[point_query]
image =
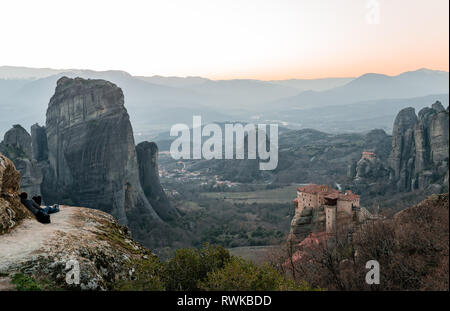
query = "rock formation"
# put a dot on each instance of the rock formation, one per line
(106, 255)
(30, 176)
(439, 137)
(351, 169)
(303, 224)
(419, 155)
(92, 158)
(401, 159)
(39, 143)
(11, 210)
(370, 170)
(147, 156)
(17, 146)
(18, 142)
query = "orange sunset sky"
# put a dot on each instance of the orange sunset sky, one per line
(260, 39)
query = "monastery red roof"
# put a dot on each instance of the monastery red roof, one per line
(328, 192)
(314, 189)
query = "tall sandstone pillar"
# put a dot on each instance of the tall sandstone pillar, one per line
(92, 158)
(147, 155)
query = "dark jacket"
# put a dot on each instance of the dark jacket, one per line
(31, 205)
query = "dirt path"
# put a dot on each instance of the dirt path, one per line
(31, 237)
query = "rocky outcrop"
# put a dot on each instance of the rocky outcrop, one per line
(92, 158)
(147, 156)
(419, 156)
(402, 156)
(17, 145)
(370, 170)
(378, 142)
(12, 212)
(304, 223)
(18, 142)
(78, 239)
(102, 250)
(422, 138)
(30, 176)
(439, 128)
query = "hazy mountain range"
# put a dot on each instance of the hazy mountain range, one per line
(156, 103)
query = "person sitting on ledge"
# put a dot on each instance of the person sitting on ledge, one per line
(41, 214)
(48, 209)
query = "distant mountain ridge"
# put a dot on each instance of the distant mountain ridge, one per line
(156, 103)
(373, 86)
(356, 117)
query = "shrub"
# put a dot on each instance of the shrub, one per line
(189, 266)
(146, 276)
(242, 275)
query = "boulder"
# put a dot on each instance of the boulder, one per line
(17, 146)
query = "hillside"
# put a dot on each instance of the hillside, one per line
(412, 250)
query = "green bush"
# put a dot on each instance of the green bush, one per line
(242, 275)
(189, 266)
(146, 276)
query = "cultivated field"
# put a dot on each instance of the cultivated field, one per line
(279, 195)
(256, 254)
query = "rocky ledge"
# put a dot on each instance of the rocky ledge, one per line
(77, 237)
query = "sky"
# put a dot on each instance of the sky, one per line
(225, 39)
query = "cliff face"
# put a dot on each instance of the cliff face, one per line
(147, 156)
(92, 158)
(401, 159)
(307, 222)
(439, 136)
(419, 155)
(30, 176)
(39, 143)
